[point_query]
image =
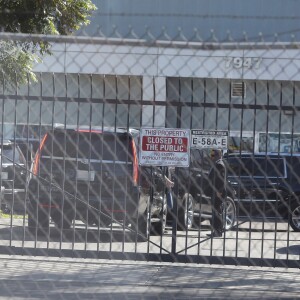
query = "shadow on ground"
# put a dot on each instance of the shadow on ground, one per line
(292, 250)
(74, 235)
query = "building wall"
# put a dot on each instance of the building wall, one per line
(73, 82)
(111, 57)
(194, 93)
(78, 99)
(207, 20)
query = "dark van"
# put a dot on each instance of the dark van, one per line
(93, 174)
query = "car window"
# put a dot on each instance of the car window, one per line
(293, 167)
(196, 158)
(89, 145)
(207, 162)
(9, 154)
(257, 167)
(200, 159)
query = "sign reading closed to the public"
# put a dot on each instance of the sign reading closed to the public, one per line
(165, 147)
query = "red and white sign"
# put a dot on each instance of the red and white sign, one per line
(165, 147)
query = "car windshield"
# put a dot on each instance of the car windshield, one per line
(256, 167)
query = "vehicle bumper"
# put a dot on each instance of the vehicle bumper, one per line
(120, 203)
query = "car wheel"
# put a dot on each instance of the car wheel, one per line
(5, 209)
(141, 227)
(229, 214)
(103, 221)
(186, 213)
(158, 228)
(295, 217)
(94, 218)
(38, 220)
(62, 221)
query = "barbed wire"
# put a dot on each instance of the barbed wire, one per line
(196, 15)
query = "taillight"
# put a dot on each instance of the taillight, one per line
(135, 174)
(36, 161)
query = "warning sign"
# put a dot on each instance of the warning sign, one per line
(215, 139)
(165, 147)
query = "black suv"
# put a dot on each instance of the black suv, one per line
(13, 177)
(267, 185)
(93, 174)
(195, 200)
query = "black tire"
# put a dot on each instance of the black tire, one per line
(62, 221)
(185, 219)
(158, 228)
(103, 221)
(229, 217)
(141, 228)
(94, 218)
(38, 220)
(5, 209)
(294, 217)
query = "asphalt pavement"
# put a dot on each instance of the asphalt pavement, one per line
(64, 278)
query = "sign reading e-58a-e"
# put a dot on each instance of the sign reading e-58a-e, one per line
(214, 139)
(165, 147)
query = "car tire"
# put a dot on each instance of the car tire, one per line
(103, 221)
(229, 214)
(95, 218)
(38, 220)
(62, 221)
(185, 218)
(5, 209)
(158, 228)
(294, 218)
(141, 228)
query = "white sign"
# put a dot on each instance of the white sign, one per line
(214, 139)
(165, 147)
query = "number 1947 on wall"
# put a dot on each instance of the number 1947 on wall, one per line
(245, 62)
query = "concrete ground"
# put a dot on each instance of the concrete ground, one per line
(62, 278)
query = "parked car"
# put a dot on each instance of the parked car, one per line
(93, 174)
(194, 201)
(267, 185)
(13, 177)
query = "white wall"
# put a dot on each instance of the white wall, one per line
(176, 61)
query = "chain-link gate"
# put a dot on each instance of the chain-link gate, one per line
(71, 179)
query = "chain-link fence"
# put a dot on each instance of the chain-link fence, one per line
(88, 147)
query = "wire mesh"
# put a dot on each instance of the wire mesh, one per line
(72, 183)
